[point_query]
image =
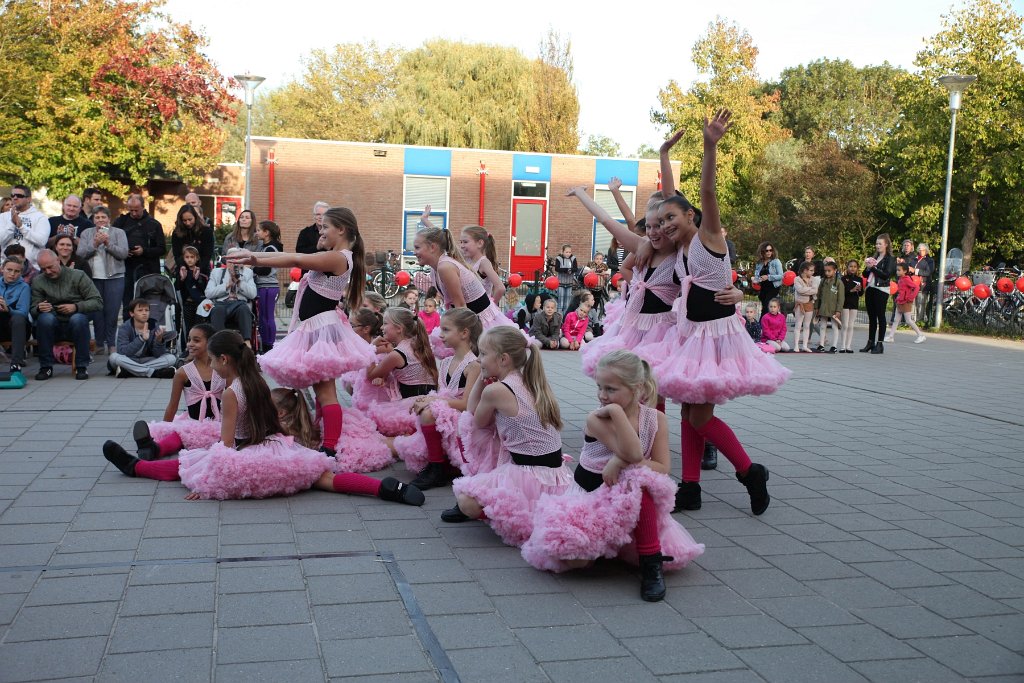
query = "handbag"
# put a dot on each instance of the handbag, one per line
(905, 308)
(806, 306)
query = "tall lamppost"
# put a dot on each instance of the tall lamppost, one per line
(956, 84)
(250, 83)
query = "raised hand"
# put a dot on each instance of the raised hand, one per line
(243, 257)
(671, 141)
(426, 212)
(614, 184)
(578, 191)
(717, 126)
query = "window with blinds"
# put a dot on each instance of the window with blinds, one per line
(419, 192)
(604, 198)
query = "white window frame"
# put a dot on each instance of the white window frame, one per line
(438, 218)
(614, 211)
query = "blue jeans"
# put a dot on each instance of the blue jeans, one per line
(50, 329)
(104, 321)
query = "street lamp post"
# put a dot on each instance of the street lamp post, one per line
(250, 83)
(956, 84)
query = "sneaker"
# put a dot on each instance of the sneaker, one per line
(120, 458)
(435, 474)
(889, 339)
(81, 373)
(819, 349)
(454, 515)
(164, 373)
(920, 338)
(398, 492)
(15, 368)
(44, 374)
(833, 350)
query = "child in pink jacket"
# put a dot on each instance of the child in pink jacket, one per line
(574, 328)
(906, 293)
(773, 327)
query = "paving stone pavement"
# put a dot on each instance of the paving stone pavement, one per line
(893, 550)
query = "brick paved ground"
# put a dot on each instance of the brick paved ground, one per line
(893, 550)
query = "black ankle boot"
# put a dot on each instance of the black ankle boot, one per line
(756, 481)
(879, 348)
(710, 459)
(687, 496)
(454, 515)
(870, 346)
(434, 475)
(144, 443)
(395, 491)
(652, 582)
(120, 458)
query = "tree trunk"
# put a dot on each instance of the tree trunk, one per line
(970, 230)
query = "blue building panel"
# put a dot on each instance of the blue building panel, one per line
(531, 167)
(437, 162)
(626, 171)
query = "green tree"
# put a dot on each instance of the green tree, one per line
(552, 117)
(645, 151)
(105, 93)
(985, 38)
(726, 58)
(601, 146)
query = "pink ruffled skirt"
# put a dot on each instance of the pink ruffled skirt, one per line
(361, 447)
(394, 418)
(712, 362)
(318, 349)
(276, 467)
(630, 333)
(193, 433)
(365, 393)
(490, 317)
(587, 526)
(481, 448)
(509, 494)
(413, 448)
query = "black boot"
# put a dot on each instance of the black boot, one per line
(454, 515)
(395, 491)
(120, 458)
(756, 481)
(434, 475)
(710, 459)
(687, 496)
(652, 582)
(879, 348)
(144, 442)
(870, 346)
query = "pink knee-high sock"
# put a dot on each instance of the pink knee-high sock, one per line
(435, 449)
(170, 444)
(719, 433)
(352, 482)
(693, 451)
(332, 425)
(646, 532)
(161, 470)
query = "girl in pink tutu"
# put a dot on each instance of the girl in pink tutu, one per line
(622, 500)
(459, 286)
(253, 458)
(407, 360)
(434, 450)
(369, 324)
(199, 427)
(321, 345)
(709, 359)
(516, 399)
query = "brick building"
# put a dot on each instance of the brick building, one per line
(520, 198)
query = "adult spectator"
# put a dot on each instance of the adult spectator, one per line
(141, 351)
(768, 274)
(232, 289)
(879, 270)
(62, 298)
(15, 300)
(907, 257)
(146, 245)
(925, 269)
(70, 221)
(811, 257)
(92, 199)
(105, 248)
(24, 224)
(309, 235)
(5, 204)
(65, 246)
(244, 234)
(731, 246)
(190, 231)
(616, 254)
(566, 269)
(193, 200)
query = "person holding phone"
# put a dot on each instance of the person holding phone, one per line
(105, 248)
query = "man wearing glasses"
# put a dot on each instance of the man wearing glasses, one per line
(24, 224)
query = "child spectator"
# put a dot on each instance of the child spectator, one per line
(853, 286)
(546, 327)
(140, 346)
(429, 315)
(752, 323)
(905, 297)
(190, 281)
(28, 271)
(574, 329)
(411, 299)
(15, 298)
(831, 294)
(806, 288)
(375, 302)
(773, 326)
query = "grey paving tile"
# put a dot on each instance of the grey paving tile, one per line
(453, 598)
(512, 663)
(462, 631)
(798, 664)
(858, 642)
(857, 593)
(748, 631)
(556, 609)
(177, 548)
(902, 574)
(435, 571)
(384, 655)
(814, 566)
(907, 671)
(168, 599)
(731, 676)
(972, 655)
(631, 621)
(595, 671)
(76, 589)
(266, 643)
(55, 622)
(263, 609)
(993, 584)
(162, 632)
(516, 581)
(353, 588)
(161, 574)
(805, 610)
(271, 672)
(761, 583)
(910, 621)
(276, 576)
(687, 653)
(1005, 629)
(955, 602)
(32, 661)
(361, 620)
(586, 641)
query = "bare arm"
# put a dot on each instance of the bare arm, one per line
(610, 425)
(492, 276)
(629, 240)
(495, 398)
(425, 218)
(660, 456)
(472, 374)
(711, 223)
(322, 261)
(177, 387)
(383, 369)
(449, 274)
(627, 214)
(229, 415)
(668, 179)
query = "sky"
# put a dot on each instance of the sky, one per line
(624, 54)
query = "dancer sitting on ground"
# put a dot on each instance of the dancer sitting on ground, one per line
(410, 361)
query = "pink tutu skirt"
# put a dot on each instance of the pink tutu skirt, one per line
(628, 333)
(278, 466)
(587, 526)
(318, 349)
(361, 448)
(394, 418)
(481, 448)
(490, 317)
(413, 448)
(193, 433)
(712, 362)
(365, 393)
(613, 311)
(509, 494)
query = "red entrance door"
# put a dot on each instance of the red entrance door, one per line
(529, 236)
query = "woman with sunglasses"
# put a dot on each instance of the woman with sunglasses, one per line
(767, 274)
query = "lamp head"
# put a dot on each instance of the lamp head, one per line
(956, 84)
(250, 83)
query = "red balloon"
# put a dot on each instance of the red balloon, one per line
(617, 278)
(551, 283)
(515, 279)
(1004, 285)
(918, 279)
(402, 278)
(1020, 284)
(756, 286)
(789, 278)
(982, 291)
(296, 274)
(735, 275)
(893, 288)
(590, 280)
(963, 283)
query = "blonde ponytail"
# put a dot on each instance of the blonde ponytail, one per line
(526, 359)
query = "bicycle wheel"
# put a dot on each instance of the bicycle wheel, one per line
(1000, 312)
(384, 283)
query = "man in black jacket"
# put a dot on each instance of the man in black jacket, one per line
(146, 245)
(308, 236)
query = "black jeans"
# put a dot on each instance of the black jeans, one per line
(767, 292)
(874, 303)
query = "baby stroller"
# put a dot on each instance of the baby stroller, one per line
(159, 293)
